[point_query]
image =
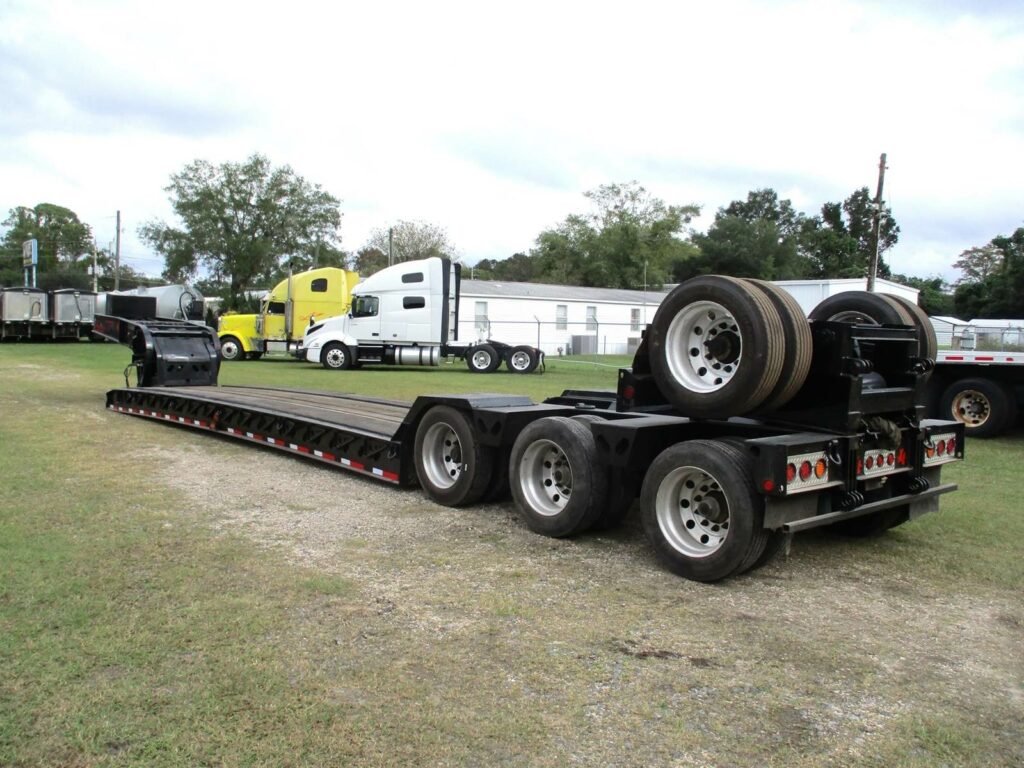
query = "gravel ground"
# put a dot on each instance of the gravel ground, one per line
(820, 658)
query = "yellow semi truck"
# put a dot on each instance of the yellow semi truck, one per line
(286, 312)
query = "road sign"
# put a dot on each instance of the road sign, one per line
(30, 253)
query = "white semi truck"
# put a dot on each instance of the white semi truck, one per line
(408, 314)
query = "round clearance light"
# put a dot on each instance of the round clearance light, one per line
(869, 462)
(805, 470)
(951, 446)
(929, 450)
(880, 460)
(768, 485)
(790, 473)
(940, 447)
(890, 459)
(820, 468)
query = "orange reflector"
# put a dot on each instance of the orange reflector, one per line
(805, 470)
(820, 468)
(929, 451)
(790, 473)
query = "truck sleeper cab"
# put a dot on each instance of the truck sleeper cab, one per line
(408, 314)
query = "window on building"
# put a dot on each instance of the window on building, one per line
(482, 324)
(561, 317)
(591, 318)
(319, 285)
(634, 319)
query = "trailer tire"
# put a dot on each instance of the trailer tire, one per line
(336, 356)
(482, 358)
(701, 512)
(928, 343)
(231, 349)
(453, 468)
(716, 347)
(557, 482)
(623, 489)
(985, 408)
(522, 359)
(799, 345)
(861, 307)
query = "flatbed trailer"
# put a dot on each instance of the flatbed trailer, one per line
(719, 494)
(982, 389)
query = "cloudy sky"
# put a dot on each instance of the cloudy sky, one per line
(492, 119)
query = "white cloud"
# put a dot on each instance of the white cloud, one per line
(492, 120)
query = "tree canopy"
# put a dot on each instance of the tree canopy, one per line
(62, 237)
(993, 279)
(405, 241)
(244, 222)
(629, 238)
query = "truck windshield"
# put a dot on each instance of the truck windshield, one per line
(364, 306)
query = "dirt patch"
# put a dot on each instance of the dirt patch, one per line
(818, 655)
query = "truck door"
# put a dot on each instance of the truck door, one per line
(365, 321)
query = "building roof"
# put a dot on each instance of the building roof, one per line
(507, 289)
(949, 320)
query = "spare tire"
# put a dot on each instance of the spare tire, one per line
(717, 347)
(861, 307)
(799, 345)
(928, 344)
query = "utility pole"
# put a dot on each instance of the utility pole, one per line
(117, 255)
(877, 226)
(391, 243)
(95, 285)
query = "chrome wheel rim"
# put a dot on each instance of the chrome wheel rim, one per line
(971, 408)
(442, 455)
(229, 350)
(336, 357)
(545, 477)
(692, 511)
(481, 359)
(520, 360)
(703, 347)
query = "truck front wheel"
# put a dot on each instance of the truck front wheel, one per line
(701, 512)
(231, 349)
(336, 357)
(557, 482)
(985, 408)
(454, 469)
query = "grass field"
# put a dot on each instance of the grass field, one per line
(170, 598)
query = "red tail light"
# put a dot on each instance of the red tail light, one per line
(940, 447)
(951, 446)
(790, 473)
(805, 470)
(890, 459)
(901, 457)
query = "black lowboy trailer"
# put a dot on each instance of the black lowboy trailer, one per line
(842, 443)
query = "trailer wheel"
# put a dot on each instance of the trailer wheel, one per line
(799, 345)
(482, 359)
(231, 349)
(623, 489)
(557, 483)
(928, 344)
(700, 510)
(522, 360)
(716, 347)
(454, 469)
(984, 407)
(336, 357)
(861, 307)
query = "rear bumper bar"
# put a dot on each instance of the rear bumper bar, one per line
(866, 509)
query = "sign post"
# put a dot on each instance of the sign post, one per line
(30, 259)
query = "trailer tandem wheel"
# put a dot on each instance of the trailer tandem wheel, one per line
(623, 488)
(717, 347)
(986, 408)
(522, 359)
(453, 468)
(799, 345)
(701, 512)
(558, 484)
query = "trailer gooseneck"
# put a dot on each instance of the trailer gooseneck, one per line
(738, 424)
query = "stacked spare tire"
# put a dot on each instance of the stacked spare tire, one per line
(723, 346)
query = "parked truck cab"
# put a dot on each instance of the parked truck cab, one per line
(286, 312)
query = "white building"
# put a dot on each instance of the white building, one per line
(597, 320)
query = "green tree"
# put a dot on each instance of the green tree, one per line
(997, 292)
(934, 297)
(519, 267)
(977, 264)
(62, 237)
(742, 248)
(369, 260)
(410, 240)
(629, 238)
(243, 222)
(840, 243)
